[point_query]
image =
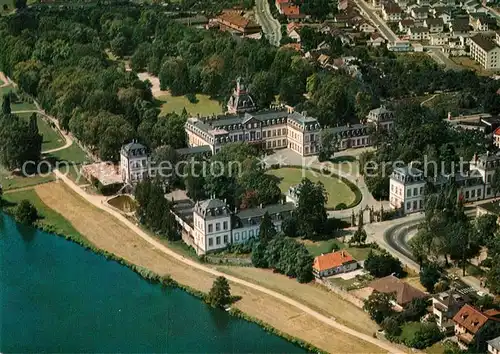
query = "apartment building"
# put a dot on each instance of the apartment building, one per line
(485, 52)
(406, 189)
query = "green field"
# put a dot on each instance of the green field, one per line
(9, 3)
(204, 107)
(21, 106)
(51, 138)
(323, 247)
(338, 191)
(72, 154)
(49, 219)
(11, 181)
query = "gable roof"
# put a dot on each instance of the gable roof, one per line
(470, 318)
(332, 260)
(495, 343)
(405, 293)
(497, 130)
(434, 21)
(407, 22)
(483, 42)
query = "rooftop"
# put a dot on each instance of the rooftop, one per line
(495, 343)
(470, 318)
(484, 42)
(405, 293)
(237, 20)
(332, 260)
(194, 150)
(408, 171)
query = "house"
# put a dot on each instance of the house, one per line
(406, 189)
(381, 118)
(324, 60)
(376, 40)
(404, 292)
(445, 306)
(399, 46)
(366, 27)
(423, 2)
(333, 263)
(235, 22)
(418, 33)
(439, 39)
(496, 137)
(135, 163)
(469, 320)
(391, 12)
(420, 13)
(446, 17)
(483, 23)
(406, 24)
(294, 35)
(485, 52)
(494, 346)
(459, 27)
(435, 25)
(402, 3)
(289, 10)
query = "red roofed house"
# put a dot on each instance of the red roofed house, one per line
(469, 320)
(404, 292)
(333, 263)
(234, 21)
(289, 9)
(496, 137)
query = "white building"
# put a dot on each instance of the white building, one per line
(485, 52)
(381, 117)
(438, 39)
(494, 346)
(215, 226)
(418, 33)
(406, 189)
(445, 306)
(135, 164)
(435, 25)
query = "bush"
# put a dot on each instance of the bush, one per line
(381, 265)
(341, 206)
(421, 335)
(487, 263)
(241, 248)
(25, 213)
(192, 98)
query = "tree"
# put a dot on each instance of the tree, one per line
(20, 4)
(311, 212)
(329, 144)
(359, 236)
(495, 181)
(379, 306)
(267, 230)
(493, 276)
(381, 265)
(220, 293)
(6, 110)
(429, 275)
(25, 213)
(489, 331)
(259, 255)
(262, 89)
(486, 226)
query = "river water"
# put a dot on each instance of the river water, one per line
(57, 297)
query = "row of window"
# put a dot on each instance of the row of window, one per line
(225, 226)
(415, 192)
(417, 205)
(276, 143)
(274, 132)
(217, 240)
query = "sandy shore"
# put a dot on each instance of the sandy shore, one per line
(109, 234)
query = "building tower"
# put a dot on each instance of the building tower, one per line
(240, 101)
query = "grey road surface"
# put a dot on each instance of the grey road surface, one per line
(377, 21)
(270, 26)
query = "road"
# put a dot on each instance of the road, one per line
(442, 59)
(377, 21)
(270, 26)
(98, 201)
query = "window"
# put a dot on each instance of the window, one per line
(225, 239)
(408, 193)
(210, 242)
(279, 143)
(210, 228)
(489, 178)
(283, 131)
(421, 204)
(473, 193)
(244, 235)
(264, 134)
(217, 240)
(217, 226)
(415, 206)
(488, 190)
(274, 143)
(268, 144)
(236, 236)
(408, 205)
(224, 225)
(466, 194)
(479, 193)
(415, 191)
(250, 233)
(284, 142)
(421, 190)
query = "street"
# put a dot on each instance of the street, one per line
(377, 21)
(442, 59)
(270, 26)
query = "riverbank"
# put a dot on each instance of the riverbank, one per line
(107, 233)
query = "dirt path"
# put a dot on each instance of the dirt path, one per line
(155, 82)
(98, 202)
(5, 79)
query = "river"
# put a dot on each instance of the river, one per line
(57, 297)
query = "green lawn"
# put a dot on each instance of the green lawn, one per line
(51, 138)
(20, 106)
(408, 330)
(72, 154)
(338, 191)
(49, 219)
(204, 107)
(9, 3)
(10, 181)
(321, 247)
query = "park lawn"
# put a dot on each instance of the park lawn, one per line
(51, 138)
(72, 154)
(175, 104)
(317, 248)
(11, 182)
(50, 220)
(21, 106)
(338, 192)
(408, 330)
(9, 3)
(345, 164)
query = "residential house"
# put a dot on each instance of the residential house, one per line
(402, 3)
(391, 12)
(324, 60)
(435, 25)
(446, 17)
(420, 13)
(494, 346)
(233, 21)
(333, 263)
(404, 292)
(445, 306)
(456, 47)
(135, 163)
(406, 24)
(406, 189)
(482, 23)
(497, 37)
(399, 46)
(439, 39)
(294, 35)
(423, 2)
(485, 52)
(381, 118)
(366, 27)
(376, 40)
(496, 137)
(459, 27)
(418, 33)
(438, 4)
(469, 320)
(289, 10)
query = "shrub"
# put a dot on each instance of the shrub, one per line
(192, 98)
(487, 263)
(25, 213)
(381, 265)
(341, 206)
(421, 335)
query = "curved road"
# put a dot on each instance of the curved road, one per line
(98, 201)
(270, 26)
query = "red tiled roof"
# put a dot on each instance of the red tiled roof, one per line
(497, 130)
(290, 10)
(405, 293)
(470, 318)
(236, 20)
(294, 46)
(332, 260)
